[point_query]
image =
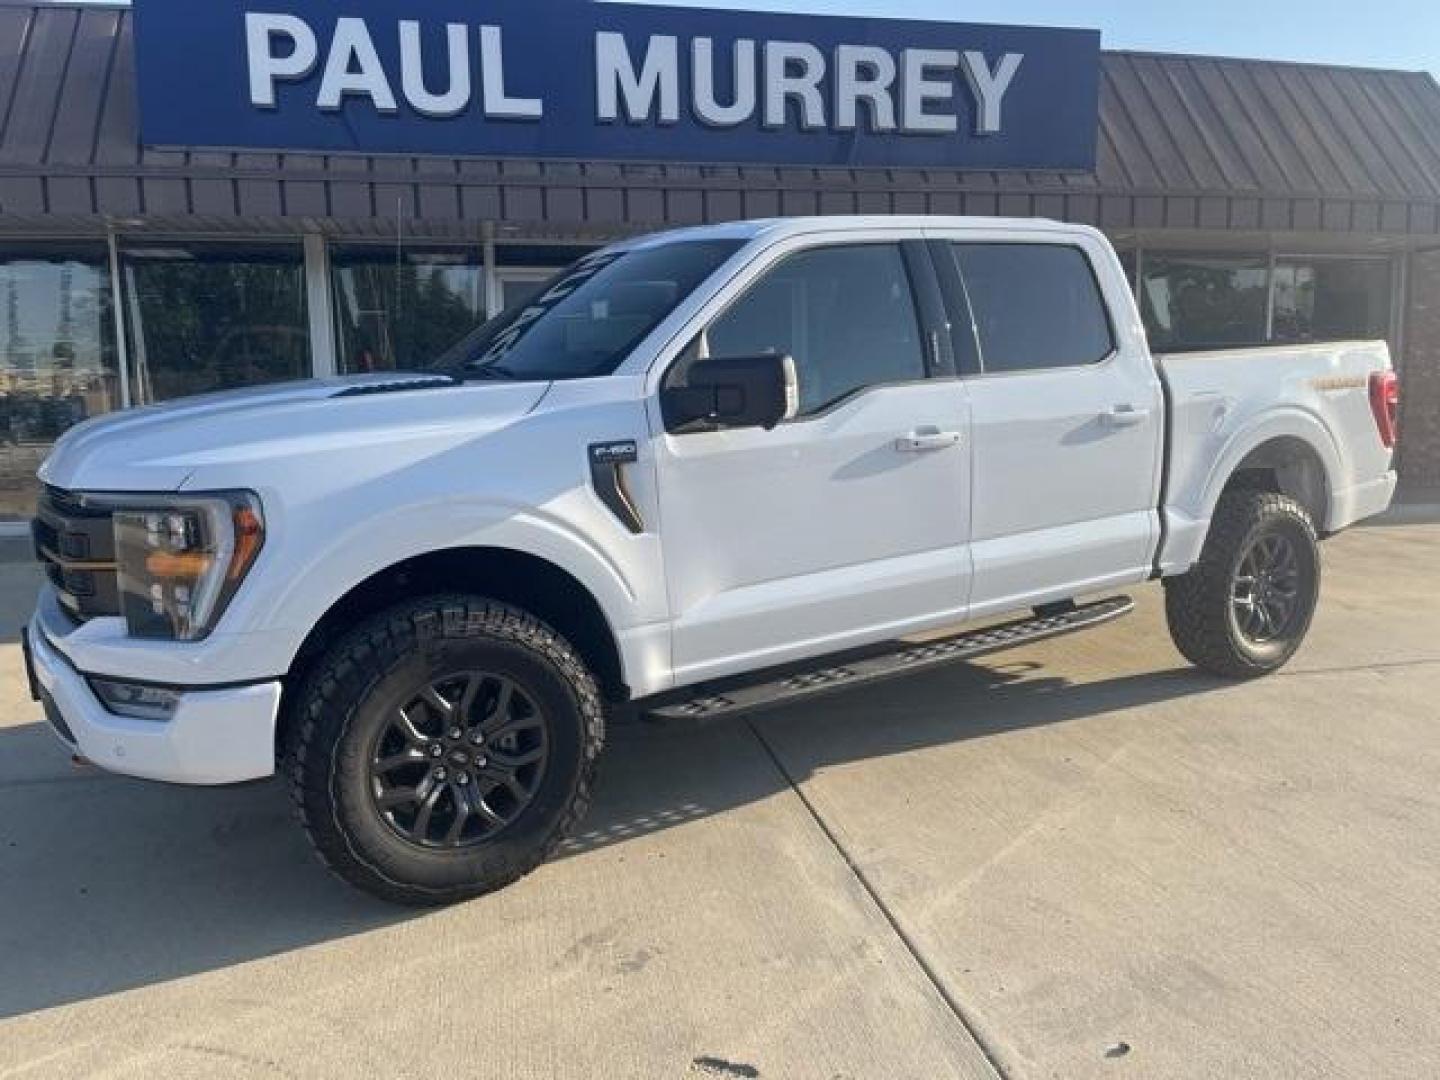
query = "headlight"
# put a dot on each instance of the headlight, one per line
(181, 559)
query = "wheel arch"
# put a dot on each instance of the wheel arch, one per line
(1286, 465)
(525, 580)
(1289, 451)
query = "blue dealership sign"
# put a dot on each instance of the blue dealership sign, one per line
(620, 82)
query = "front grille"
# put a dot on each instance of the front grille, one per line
(75, 543)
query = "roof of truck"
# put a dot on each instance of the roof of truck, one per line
(781, 228)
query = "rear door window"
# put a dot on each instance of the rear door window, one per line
(1035, 306)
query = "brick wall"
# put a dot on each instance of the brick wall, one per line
(1420, 375)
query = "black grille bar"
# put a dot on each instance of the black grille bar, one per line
(75, 543)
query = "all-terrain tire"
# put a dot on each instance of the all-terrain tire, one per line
(1200, 605)
(348, 704)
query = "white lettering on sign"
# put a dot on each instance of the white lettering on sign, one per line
(498, 103)
(921, 89)
(793, 72)
(618, 86)
(707, 108)
(354, 68)
(261, 32)
(456, 98)
(989, 87)
(782, 84)
(864, 74)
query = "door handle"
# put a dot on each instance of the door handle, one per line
(1123, 416)
(927, 440)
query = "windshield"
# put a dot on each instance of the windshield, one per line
(588, 318)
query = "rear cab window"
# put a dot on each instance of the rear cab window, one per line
(1033, 306)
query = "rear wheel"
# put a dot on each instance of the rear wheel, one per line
(1246, 607)
(444, 749)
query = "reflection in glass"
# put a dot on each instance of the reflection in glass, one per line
(57, 359)
(584, 322)
(844, 314)
(1035, 306)
(1332, 299)
(1201, 301)
(214, 318)
(403, 313)
(518, 291)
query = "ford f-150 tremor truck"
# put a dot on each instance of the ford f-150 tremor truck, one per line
(699, 471)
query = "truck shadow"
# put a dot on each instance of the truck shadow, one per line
(108, 884)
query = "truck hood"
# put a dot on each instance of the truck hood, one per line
(249, 435)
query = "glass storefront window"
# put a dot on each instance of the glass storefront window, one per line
(214, 317)
(1201, 301)
(57, 359)
(395, 314)
(1332, 299)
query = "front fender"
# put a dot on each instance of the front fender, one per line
(620, 571)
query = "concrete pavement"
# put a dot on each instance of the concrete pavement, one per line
(1078, 859)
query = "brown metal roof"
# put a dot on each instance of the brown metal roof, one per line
(1186, 142)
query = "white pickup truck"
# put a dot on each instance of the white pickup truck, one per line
(699, 472)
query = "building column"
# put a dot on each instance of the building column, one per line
(1419, 365)
(117, 313)
(323, 359)
(493, 294)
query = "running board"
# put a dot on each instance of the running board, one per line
(715, 699)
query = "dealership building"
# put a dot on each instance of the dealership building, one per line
(160, 239)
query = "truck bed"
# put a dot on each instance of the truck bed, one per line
(1224, 404)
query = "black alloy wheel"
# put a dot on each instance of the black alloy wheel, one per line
(1245, 608)
(459, 761)
(444, 748)
(1265, 598)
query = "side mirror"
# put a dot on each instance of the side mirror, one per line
(734, 392)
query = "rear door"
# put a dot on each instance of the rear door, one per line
(1067, 418)
(847, 524)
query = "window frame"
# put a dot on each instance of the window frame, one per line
(136, 251)
(1267, 260)
(1393, 290)
(936, 359)
(962, 311)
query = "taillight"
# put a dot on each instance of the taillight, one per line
(1385, 404)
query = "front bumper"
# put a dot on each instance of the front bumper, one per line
(213, 737)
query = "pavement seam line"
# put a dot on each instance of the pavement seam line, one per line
(1348, 669)
(957, 1010)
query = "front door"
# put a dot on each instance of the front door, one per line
(844, 526)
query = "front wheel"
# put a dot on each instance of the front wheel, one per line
(1246, 607)
(444, 749)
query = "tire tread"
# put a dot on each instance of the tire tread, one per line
(1197, 603)
(341, 680)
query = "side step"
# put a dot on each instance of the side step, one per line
(716, 699)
